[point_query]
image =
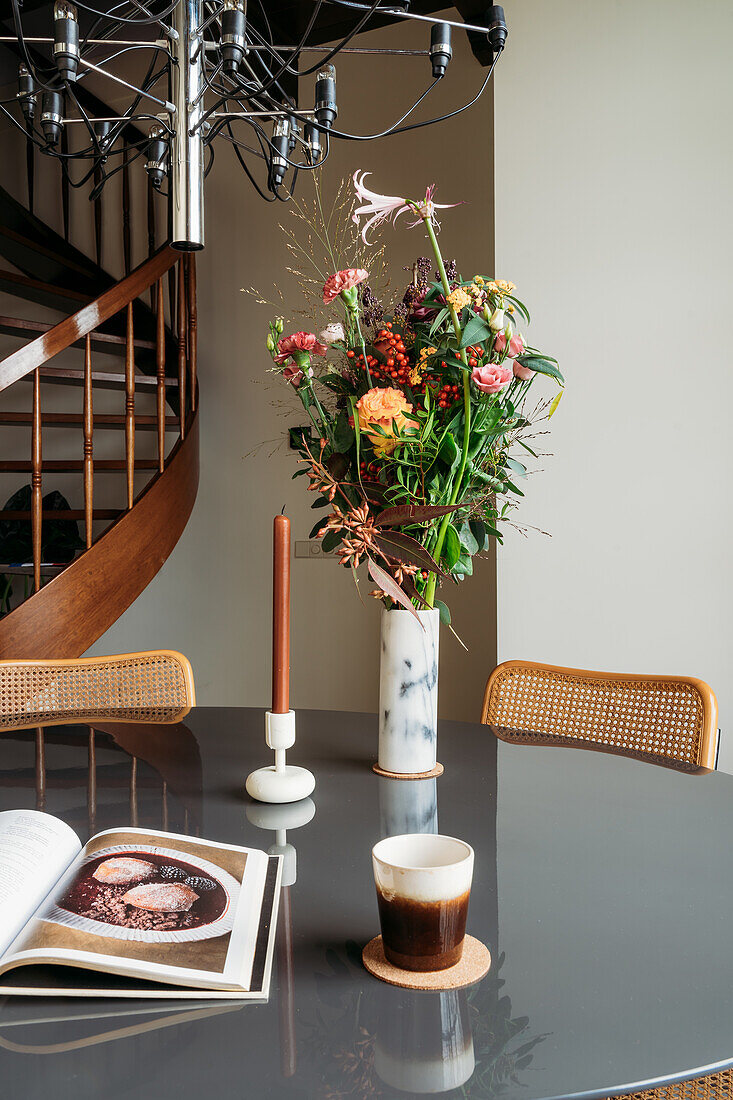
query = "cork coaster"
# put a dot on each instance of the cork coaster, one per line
(474, 965)
(437, 770)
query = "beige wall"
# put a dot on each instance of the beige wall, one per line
(613, 175)
(212, 597)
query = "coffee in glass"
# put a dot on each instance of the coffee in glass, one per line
(423, 885)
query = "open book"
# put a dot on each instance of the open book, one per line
(153, 914)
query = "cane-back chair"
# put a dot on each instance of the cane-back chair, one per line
(134, 687)
(716, 1086)
(671, 718)
(656, 717)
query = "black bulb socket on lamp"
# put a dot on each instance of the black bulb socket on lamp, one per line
(102, 133)
(27, 93)
(281, 148)
(156, 164)
(52, 117)
(326, 110)
(498, 31)
(441, 50)
(313, 141)
(65, 39)
(233, 36)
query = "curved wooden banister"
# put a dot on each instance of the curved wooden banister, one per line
(67, 615)
(71, 329)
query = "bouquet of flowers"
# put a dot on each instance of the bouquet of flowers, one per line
(417, 414)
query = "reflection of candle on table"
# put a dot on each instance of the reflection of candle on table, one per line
(281, 616)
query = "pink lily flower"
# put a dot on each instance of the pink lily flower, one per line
(380, 208)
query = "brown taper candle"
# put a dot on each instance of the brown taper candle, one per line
(281, 616)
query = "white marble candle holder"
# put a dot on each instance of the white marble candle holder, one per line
(408, 692)
(282, 782)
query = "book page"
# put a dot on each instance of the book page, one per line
(35, 851)
(154, 905)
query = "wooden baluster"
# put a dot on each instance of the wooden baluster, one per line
(36, 480)
(98, 216)
(192, 327)
(126, 238)
(65, 181)
(88, 442)
(181, 316)
(92, 783)
(165, 807)
(160, 374)
(30, 166)
(130, 406)
(151, 234)
(40, 768)
(172, 296)
(133, 792)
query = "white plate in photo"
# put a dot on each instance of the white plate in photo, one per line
(218, 927)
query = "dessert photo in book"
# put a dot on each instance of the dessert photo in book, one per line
(140, 904)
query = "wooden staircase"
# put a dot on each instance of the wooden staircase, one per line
(147, 320)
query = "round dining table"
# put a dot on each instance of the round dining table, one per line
(603, 887)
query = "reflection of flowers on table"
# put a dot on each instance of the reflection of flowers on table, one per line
(350, 1021)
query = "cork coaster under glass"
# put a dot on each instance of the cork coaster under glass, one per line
(437, 770)
(474, 965)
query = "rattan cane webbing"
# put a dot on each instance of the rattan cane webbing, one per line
(717, 1086)
(672, 718)
(138, 687)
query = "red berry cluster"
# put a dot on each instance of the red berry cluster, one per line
(369, 469)
(448, 395)
(359, 362)
(474, 354)
(392, 346)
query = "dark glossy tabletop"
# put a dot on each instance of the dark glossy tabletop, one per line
(603, 886)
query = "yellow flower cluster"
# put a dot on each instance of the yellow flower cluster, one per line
(500, 286)
(459, 298)
(425, 352)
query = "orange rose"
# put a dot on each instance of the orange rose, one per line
(385, 408)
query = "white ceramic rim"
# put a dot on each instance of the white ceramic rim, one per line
(223, 923)
(468, 852)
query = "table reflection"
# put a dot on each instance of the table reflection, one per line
(144, 773)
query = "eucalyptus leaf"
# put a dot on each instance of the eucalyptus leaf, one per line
(451, 547)
(468, 539)
(444, 612)
(478, 530)
(541, 366)
(464, 566)
(475, 331)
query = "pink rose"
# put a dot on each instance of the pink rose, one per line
(343, 280)
(298, 342)
(492, 377)
(520, 371)
(517, 345)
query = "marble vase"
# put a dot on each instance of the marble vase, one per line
(408, 691)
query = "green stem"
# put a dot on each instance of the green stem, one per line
(433, 579)
(355, 315)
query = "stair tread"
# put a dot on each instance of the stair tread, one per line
(11, 326)
(61, 513)
(101, 420)
(75, 465)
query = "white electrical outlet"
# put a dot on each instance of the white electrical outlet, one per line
(312, 548)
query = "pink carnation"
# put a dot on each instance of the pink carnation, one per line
(294, 375)
(517, 345)
(492, 377)
(343, 280)
(288, 346)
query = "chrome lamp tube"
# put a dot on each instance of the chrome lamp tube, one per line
(186, 161)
